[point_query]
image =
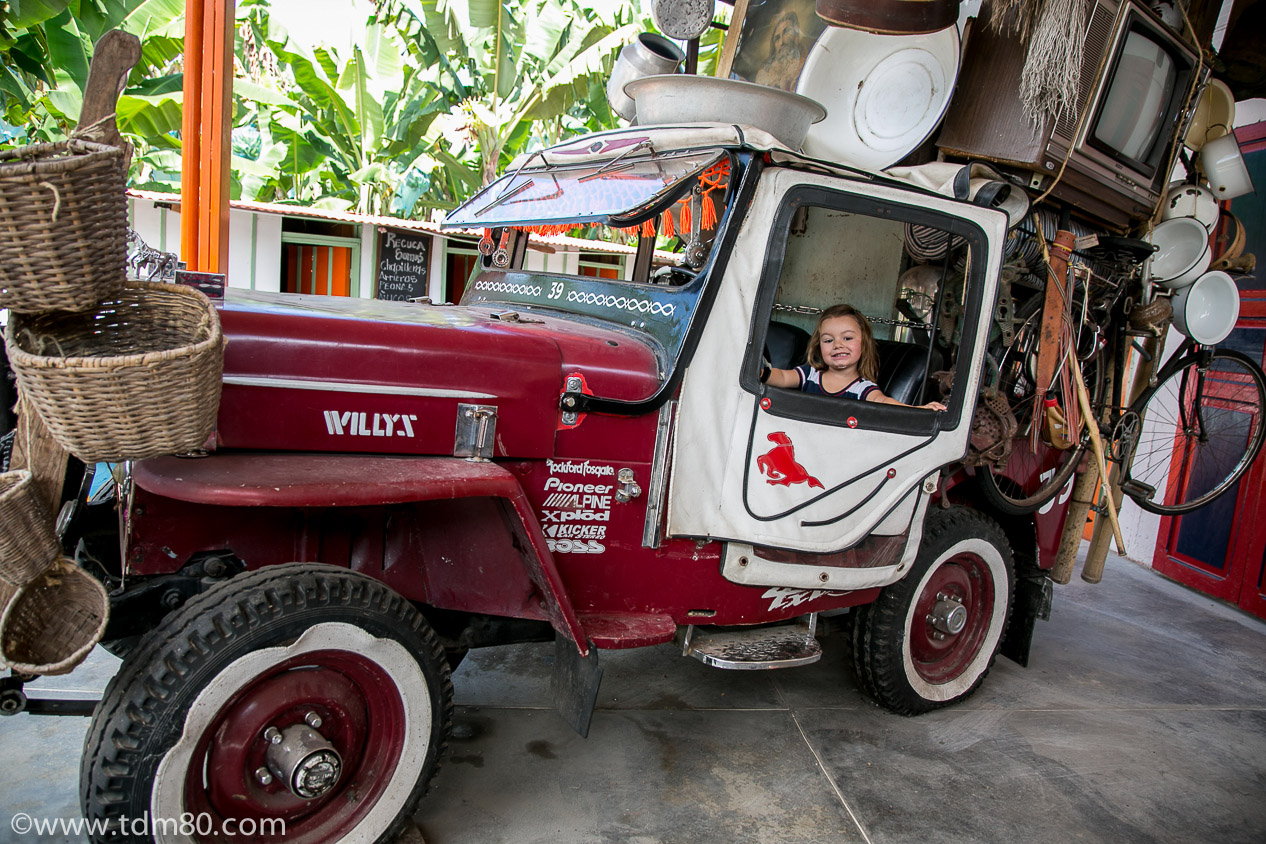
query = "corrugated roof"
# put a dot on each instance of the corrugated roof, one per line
(557, 241)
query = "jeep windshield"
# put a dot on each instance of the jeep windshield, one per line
(663, 209)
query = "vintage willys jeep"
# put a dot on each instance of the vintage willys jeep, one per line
(566, 457)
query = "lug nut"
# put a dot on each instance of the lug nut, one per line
(272, 735)
(264, 777)
(312, 720)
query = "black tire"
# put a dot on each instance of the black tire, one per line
(179, 733)
(899, 662)
(1209, 450)
(1047, 470)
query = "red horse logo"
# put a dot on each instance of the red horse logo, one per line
(779, 463)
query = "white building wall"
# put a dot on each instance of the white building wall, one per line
(158, 226)
(254, 251)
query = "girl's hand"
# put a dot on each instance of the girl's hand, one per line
(933, 405)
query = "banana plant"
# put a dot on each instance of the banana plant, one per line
(530, 68)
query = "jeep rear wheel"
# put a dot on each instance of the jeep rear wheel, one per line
(930, 639)
(298, 703)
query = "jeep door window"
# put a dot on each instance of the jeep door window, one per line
(904, 268)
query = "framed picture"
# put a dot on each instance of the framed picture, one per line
(774, 40)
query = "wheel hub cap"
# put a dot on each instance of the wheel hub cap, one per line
(948, 616)
(300, 757)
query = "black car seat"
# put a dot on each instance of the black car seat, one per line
(903, 367)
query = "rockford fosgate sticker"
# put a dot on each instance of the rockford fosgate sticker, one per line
(576, 506)
(351, 423)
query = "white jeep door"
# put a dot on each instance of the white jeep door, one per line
(783, 469)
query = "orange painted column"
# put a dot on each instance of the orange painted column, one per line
(207, 122)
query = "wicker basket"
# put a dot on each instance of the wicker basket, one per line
(28, 544)
(137, 377)
(52, 623)
(63, 225)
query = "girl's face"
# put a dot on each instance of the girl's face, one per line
(841, 343)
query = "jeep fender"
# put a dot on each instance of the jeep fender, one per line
(301, 480)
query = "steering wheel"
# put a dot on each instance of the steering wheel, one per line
(672, 276)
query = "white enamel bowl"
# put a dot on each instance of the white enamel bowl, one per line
(1206, 311)
(1192, 201)
(1182, 252)
(1224, 166)
(884, 94)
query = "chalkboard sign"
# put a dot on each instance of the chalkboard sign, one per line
(403, 263)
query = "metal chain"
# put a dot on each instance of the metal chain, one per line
(810, 310)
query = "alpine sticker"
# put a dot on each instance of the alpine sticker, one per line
(576, 506)
(351, 423)
(780, 466)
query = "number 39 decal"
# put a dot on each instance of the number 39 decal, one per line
(556, 290)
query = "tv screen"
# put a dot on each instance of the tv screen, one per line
(1137, 105)
(1140, 101)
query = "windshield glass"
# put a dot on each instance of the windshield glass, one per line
(620, 189)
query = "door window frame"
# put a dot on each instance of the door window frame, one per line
(825, 410)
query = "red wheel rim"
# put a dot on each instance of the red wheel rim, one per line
(362, 716)
(938, 656)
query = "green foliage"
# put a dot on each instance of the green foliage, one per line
(436, 97)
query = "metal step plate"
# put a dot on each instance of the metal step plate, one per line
(757, 649)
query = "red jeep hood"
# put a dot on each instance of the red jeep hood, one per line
(320, 373)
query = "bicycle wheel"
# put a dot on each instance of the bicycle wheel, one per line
(1034, 476)
(1202, 426)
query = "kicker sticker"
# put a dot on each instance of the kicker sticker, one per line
(577, 506)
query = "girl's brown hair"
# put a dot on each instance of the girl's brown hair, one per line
(868, 366)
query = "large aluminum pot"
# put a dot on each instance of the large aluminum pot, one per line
(647, 55)
(705, 99)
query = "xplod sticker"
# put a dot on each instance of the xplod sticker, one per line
(576, 506)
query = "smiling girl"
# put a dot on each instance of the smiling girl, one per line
(843, 361)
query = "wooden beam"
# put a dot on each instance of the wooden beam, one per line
(190, 134)
(205, 164)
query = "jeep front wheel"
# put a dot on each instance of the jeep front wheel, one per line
(930, 639)
(298, 703)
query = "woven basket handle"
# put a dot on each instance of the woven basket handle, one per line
(113, 58)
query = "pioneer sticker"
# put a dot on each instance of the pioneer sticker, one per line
(577, 506)
(355, 424)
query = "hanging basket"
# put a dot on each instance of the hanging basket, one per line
(138, 376)
(51, 623)
(28, 544)
(63, 225)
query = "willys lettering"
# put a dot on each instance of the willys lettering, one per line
(356, 424)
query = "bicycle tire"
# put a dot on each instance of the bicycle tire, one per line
(1001, 491)
(1231, 413)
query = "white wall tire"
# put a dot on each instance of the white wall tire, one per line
(180, 732)
(930, 639)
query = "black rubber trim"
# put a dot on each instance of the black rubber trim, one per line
(747, 475)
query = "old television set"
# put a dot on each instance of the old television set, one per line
(1135, 80)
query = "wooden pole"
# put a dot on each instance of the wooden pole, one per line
(728, 49)
(1096, 444)
(1075, 524)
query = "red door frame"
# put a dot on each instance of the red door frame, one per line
(1241, 580)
